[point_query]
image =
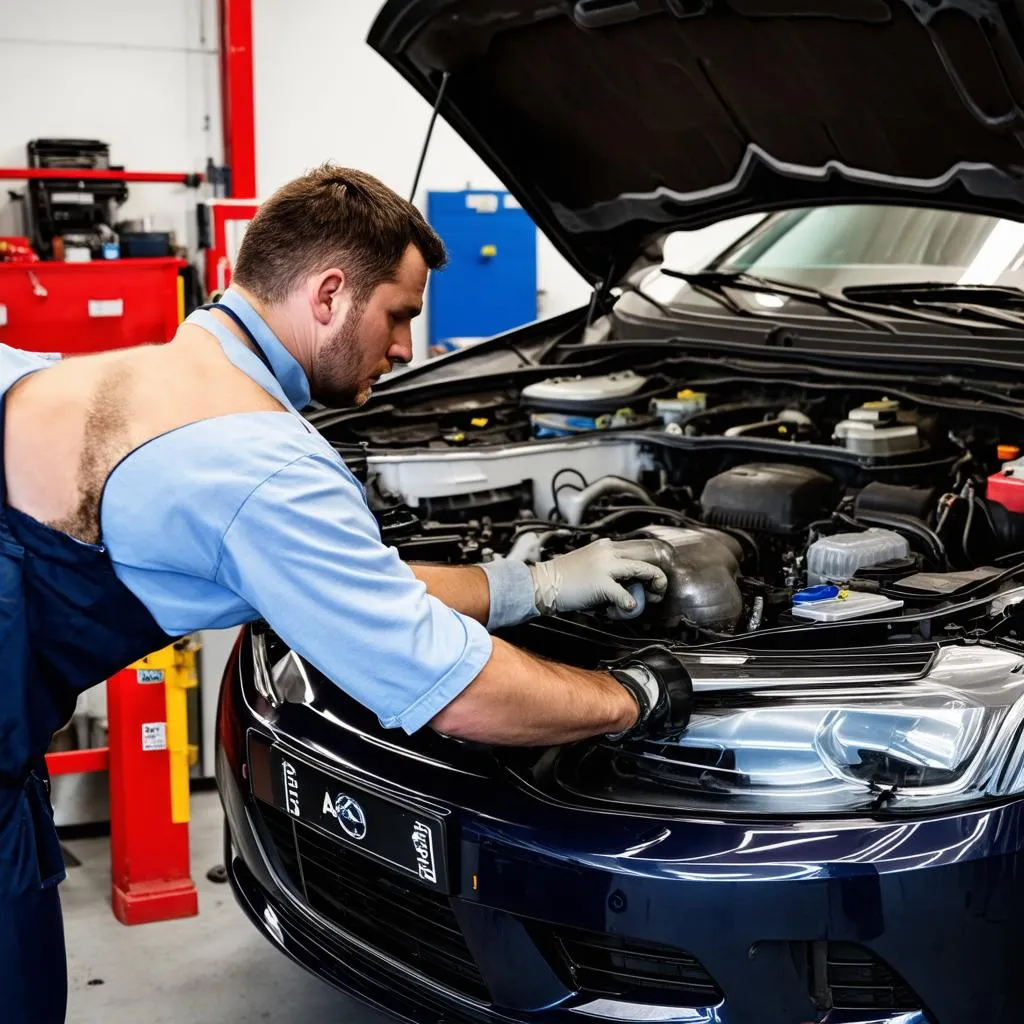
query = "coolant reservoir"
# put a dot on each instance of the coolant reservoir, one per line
(837, 558)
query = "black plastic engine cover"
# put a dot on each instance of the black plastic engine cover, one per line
(782, 499)
(918, 502)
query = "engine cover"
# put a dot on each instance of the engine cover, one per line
(701, 566)
(780, 499)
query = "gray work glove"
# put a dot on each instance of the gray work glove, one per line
(597, 575)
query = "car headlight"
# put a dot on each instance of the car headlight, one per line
(278, 673)
(781, 744)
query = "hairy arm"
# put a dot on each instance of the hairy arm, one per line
(521, 700)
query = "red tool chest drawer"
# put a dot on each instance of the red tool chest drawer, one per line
(88, 307)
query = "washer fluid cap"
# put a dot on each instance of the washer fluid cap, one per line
(823, 592)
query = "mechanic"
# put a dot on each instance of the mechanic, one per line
(155, 491)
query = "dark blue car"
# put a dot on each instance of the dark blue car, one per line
(801, 370)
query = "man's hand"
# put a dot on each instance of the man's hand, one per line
(598, 575)
(661, 687)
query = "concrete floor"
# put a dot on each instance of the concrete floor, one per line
(211, 969)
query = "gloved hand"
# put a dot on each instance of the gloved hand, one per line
(597, 575)
(661, 687)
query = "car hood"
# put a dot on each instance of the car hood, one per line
(614, 121)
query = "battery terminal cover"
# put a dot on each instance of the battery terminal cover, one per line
(1006, 487)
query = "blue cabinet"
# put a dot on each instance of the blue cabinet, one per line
(490, 283)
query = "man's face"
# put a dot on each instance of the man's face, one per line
(373, 335)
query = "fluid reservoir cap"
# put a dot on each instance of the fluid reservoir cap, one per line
(824, 592)
(1007, 452)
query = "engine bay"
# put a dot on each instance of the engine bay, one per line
(777, 504)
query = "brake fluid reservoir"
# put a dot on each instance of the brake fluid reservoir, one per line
(837, 558)
(875, 429)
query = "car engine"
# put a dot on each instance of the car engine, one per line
(778, 505)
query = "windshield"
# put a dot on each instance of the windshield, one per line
(839, 246)
(836, 247)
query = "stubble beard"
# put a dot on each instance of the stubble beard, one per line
(335, 372)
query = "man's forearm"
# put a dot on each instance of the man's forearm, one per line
(521, 700)
(462, 587)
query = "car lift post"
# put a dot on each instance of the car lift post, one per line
(148, 757)
(149, 787)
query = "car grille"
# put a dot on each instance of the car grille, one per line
(609, 965)
(401, 919)
(846, 976)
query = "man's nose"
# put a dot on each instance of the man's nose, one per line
(401, 347)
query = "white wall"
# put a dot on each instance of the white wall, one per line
(141, 75)
(323, 94)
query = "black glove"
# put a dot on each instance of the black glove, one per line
(661, 687)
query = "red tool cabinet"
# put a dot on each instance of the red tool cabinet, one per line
(52, 306)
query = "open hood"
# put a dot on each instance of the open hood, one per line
(614, 121)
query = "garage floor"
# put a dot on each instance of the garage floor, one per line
(210, 969)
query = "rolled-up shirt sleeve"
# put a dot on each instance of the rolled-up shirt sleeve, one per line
(304, 551)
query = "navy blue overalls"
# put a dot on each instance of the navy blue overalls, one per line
(66, 623)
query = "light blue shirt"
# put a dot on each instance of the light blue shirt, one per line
(254, 515)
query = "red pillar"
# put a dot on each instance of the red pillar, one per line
(149, 852)
(236, 83)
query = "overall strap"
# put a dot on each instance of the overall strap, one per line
(239, 354)
(240, 323)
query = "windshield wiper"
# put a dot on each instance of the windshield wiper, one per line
(880, 305)
(996, 304)
(716, 281)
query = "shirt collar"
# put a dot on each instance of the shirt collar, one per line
(283, 365)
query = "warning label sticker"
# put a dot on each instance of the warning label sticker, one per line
(154, 735)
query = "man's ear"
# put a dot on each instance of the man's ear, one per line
(326, 293)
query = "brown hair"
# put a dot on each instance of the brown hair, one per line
(332, 216)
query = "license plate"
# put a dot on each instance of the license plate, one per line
(406, 837)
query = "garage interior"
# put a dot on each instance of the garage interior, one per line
(737, 281)
(207, 106)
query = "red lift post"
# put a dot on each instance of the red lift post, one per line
(148, 758)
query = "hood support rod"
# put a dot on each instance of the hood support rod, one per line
(430, 132)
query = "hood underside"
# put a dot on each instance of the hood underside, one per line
(614, 121)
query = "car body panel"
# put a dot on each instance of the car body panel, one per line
(615, 121)
(937, 898)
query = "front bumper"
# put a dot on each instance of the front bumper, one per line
(760, 907)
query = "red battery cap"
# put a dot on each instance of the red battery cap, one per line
(1006, 487)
